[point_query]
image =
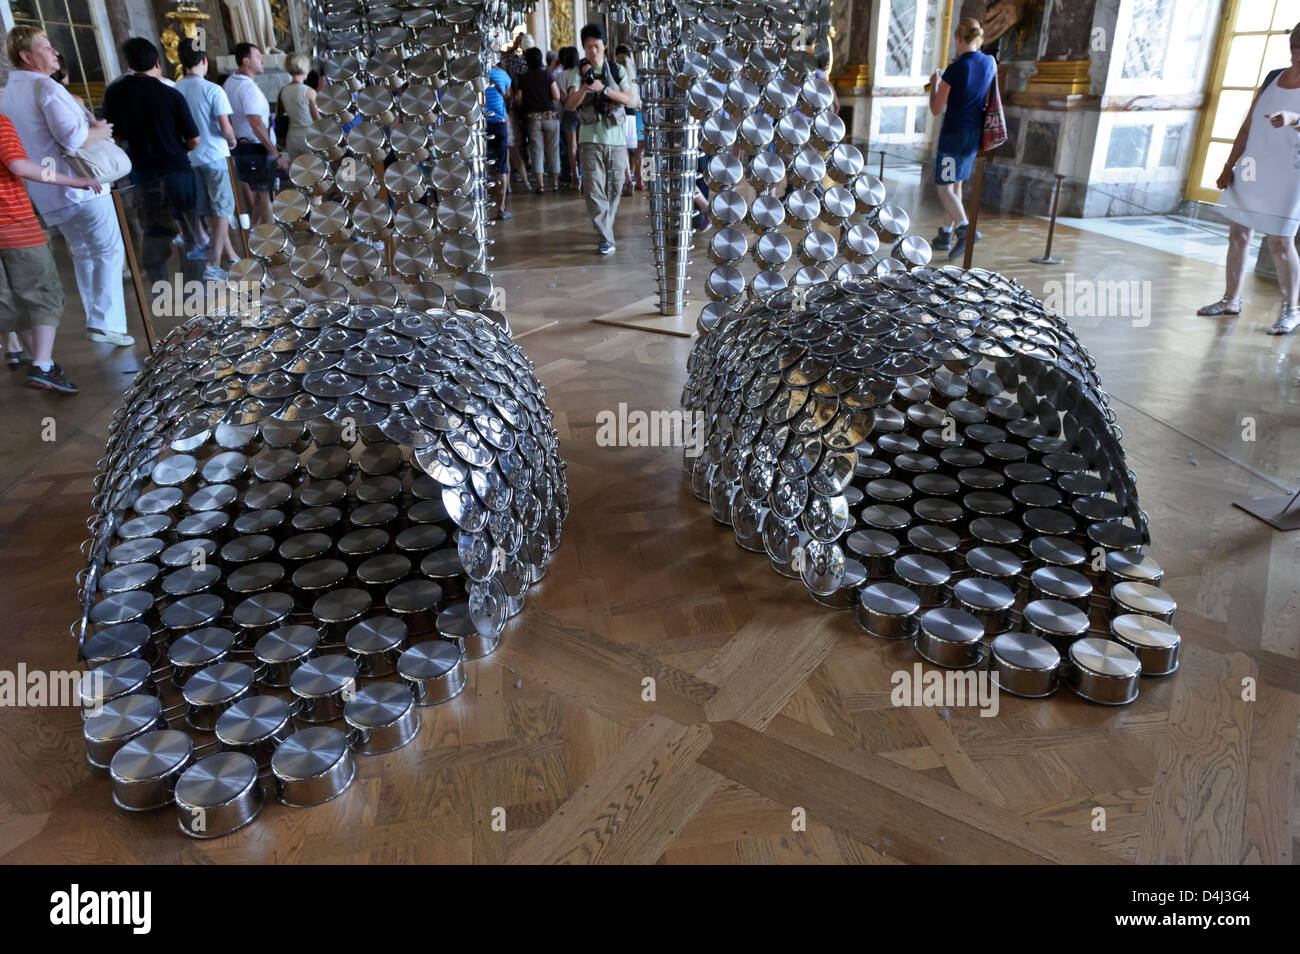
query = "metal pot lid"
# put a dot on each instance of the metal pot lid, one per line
(1053, 616)
(158, 501)
(1058, 551)
(995, 530)
(252, 720)
(309, 753)
(414, 596)
(994, 561)
(123, 717)
(259, 521)
(379, 705)
(286, 643)
(1139, 632)
(128, 576)
(203, 523)
(932, 539)
(376, 635)
(139, 528)
(1062, 583)
(323, 675)
(174, 470)
(215, 780)
(981, 594)
(217, 683)
(428, 660)
(115, 642)
(365, 541)
(191, 579)
(1025, 651)
(374, 515)
(918, 569)
(113, 678)
(1143, 598)
(191, 611)
(264, 609)
(151, 756)
(247, 549)
(1104, 657)
(442, 564)
(387, 568)
(121, 607)
(1134, 565)
(341, 605)
(948, 625)
(421, 538)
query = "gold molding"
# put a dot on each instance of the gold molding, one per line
(854, 76)
(1062, 77)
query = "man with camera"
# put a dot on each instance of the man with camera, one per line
(596, 92)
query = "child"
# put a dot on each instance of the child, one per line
(31, 295)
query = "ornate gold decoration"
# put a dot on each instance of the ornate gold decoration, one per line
(189, 16)
(561, 12)
(1061, 77)
(854, 76)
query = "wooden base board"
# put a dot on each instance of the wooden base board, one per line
(643, 315)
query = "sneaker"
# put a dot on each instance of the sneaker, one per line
(198, 253)
(115, 338)
(942, 240)
(215, 273)
(505, 215)
(16, 359)
(51, 380)
(606, 248)
(959, 240)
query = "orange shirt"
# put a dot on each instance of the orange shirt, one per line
(18, 225)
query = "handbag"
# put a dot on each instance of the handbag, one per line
(995, 121)
(104, 161)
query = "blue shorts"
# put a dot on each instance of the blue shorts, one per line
(955, 156)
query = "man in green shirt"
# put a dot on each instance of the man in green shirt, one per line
(596, 93)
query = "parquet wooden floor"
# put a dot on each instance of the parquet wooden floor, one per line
(766, 703)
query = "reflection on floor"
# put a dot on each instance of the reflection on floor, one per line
(1175, 234)
(765, 701)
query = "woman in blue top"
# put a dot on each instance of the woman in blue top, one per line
(958, 92)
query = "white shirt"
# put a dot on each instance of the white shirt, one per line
(48, 120)
(246, 100)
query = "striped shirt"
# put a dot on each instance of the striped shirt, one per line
(18, 225)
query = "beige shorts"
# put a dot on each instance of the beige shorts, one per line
(30, 290)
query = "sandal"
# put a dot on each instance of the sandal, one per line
(1224, 306)
(16, 359)
(1288, 322)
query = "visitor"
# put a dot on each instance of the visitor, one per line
(31, 293)
(539, 98)
(596, 93)
(215, 196)
(1269, 199)
(49, 121)
(154, 124)
(959, 93)
(635, 125)
(498, 135)
(568, 118)
(296, 104)
(256, 157)
(514, 64)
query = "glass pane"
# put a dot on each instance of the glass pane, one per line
(1244, 58)
(1287, 15)
(1215, 156)
(893, 120)
(1254, 15)
(1233, 106)
(900, 40)
(1128, 147)
(1172, 148)
(78, 11)
(1278, 54)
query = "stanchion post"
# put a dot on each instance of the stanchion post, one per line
(240, 212)
(882, 165)
(1046, 257)
(971, 231)
(134, 265)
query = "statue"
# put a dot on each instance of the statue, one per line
(250, 22)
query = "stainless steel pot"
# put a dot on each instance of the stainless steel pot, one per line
(988, 601)
(383, 717)
(1024, 665)
(889, 611)
(324, 684)
(312, 766)
(144, 771)
(433, 670)
(1103, 671)
(282, 651)
(376, 645)
(1143, 598)
(117, 723)
(197, 650)
(255, 726)
(113, 680)
(1155, 643)
(218, 794)
(1058, 623)
(211, 691)
(951, 638)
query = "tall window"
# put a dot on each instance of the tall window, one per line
(1255, 40)
(70, 25)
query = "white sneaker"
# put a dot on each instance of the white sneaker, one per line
(214, 273)
(115, 338)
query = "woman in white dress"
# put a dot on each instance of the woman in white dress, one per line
(1261, 183)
